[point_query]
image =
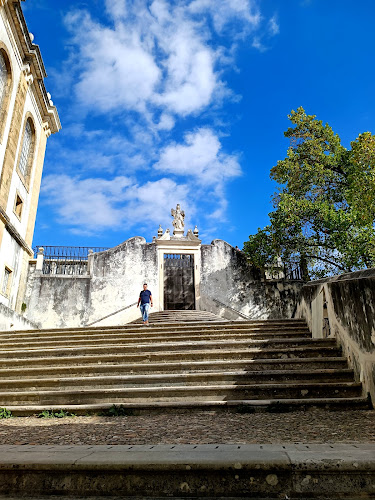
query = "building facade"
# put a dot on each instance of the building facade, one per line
(27, 118)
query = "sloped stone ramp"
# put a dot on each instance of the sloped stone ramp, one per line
(247, 365)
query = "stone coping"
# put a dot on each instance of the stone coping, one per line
(344, 457)
(319, 471)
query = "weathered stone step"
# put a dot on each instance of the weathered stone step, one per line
(181, 315)
(247, 344)
(78, 357)
(46, 341)
(213, 471)
(257, 405)
(175, 393)
(208, 340)
(142, 330)
(107, 367)
(170, 379)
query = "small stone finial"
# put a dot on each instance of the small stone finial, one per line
(91, 251)
(196, 232)
(40, 251)
(160, 231)
(153, 239)
(31, 37)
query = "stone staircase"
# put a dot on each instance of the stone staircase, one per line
(181, 317)
(248, 365)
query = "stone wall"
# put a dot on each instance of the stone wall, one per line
(229, 287)
(348, 303)
(106, 296)
(233, 289)
(10, 320)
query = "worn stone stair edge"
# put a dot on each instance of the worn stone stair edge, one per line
(172, 324)
(83, 409)
(150, 332)
(219, 353)
(155, 336)
(183, 471)
(250, 343)
(198, 366)
(160, 376)
(198, 340)
(220, 388)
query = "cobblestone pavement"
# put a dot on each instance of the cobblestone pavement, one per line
(313, 426)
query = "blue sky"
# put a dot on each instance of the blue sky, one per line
(166, 102)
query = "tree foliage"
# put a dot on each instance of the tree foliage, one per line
(325, 207)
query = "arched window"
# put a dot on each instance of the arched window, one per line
(5, 87)
(26, 147)
(3, 78)
(26, 154)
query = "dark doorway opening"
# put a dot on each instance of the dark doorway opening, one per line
(179, 282)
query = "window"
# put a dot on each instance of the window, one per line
(26, 147)
(3, 78)
(5, 88)
(18, 206)
(5, 288)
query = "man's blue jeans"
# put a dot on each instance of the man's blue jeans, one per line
(144, 311)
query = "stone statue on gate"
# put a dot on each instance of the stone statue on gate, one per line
(178, 220)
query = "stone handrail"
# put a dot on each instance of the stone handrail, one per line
(112, 314)
(231, 308)
(344, 306)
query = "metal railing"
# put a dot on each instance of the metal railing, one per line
(65, 260)
(294, 273)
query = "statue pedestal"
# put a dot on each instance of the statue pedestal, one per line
(178, 233)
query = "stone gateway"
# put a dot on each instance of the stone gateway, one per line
(182, 273)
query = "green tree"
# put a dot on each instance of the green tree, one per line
(325, 207)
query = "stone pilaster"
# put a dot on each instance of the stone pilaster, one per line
(35, 188)
(12, 143)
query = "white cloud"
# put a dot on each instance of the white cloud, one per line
(88, 206)
(226, 11)
(123, 77)
(257, 44)
(166, 122)
(200, 157)
(273, 26)
(157, 56)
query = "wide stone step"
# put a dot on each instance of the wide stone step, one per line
(175, 393)
(249, 405)
(79, 356)
(180, 315)
(170, 346)
(109, 368)
(114, 338)
(170, 379)
(169, 328)
(174, 364)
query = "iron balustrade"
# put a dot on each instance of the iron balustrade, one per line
(65, 260)
(294, 273)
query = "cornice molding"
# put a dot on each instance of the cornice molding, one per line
(33, 69)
